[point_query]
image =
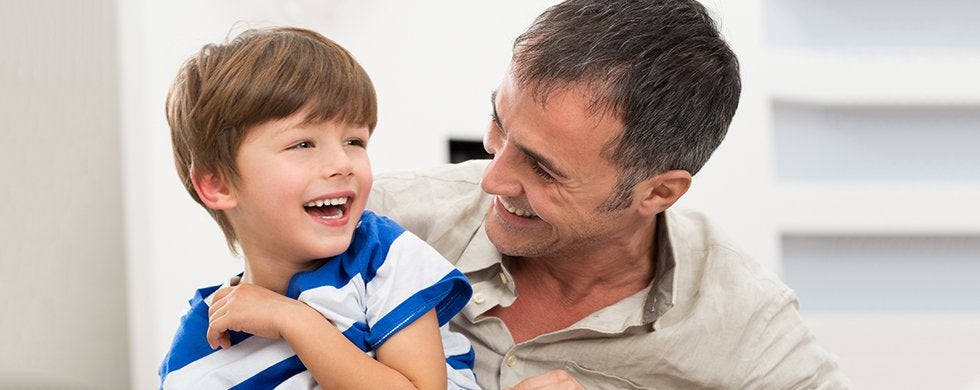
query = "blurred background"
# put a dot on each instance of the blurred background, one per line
(850, 169)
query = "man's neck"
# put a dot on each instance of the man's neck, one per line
(559, 291)
(573, 279)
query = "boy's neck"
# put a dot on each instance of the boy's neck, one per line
(273, 274)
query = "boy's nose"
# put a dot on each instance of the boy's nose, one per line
(336, 163)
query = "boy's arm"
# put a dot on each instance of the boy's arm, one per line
(417, 352)
(412, 358)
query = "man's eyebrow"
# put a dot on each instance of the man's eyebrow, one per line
(541, 160)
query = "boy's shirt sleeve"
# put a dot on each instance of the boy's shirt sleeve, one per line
(189, 343)
(387, 279)
(192, 363)
(413, 280)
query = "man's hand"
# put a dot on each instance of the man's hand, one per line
(551, 380)
(252, 309)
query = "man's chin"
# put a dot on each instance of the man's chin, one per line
(513, 246)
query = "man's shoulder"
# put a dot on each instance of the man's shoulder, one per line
(712, 266)
(755, 335)
(467, 172)
(438, 189)
(428, 189)
(443, 205)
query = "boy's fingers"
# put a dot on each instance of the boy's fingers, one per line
(221, 340)
(212, 338)
(216, 332)
(222, 293)
(216, 312)
(217, 300)
(224, 340)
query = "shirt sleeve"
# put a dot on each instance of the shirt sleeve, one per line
(786, 354)
(412, 280)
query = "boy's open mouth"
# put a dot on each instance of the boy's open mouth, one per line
(334, 208)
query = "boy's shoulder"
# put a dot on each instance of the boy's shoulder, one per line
(375, 229)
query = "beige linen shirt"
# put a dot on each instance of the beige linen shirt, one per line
(711, 318)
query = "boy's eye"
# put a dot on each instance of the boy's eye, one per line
(303, 145)
(356, 142)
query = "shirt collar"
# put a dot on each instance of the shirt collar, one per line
(663, 287)
(480, 254)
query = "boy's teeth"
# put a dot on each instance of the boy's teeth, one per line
(327, 202)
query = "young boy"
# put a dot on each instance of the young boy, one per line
(269, 134)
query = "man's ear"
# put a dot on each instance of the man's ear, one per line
(659, 192)
(213, 190)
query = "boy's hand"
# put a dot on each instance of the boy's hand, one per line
(252, 309)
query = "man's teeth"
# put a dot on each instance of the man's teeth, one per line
(518, 212)
(327, 202)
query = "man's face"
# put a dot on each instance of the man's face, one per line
(548, 175)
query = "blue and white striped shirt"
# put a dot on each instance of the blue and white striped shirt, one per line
(387, 279)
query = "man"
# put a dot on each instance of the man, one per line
(582, 275)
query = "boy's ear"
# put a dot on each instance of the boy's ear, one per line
(659, 192)
(213, 190)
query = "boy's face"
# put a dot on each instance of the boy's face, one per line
(302, 188)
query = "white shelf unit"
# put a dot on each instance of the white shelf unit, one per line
(901, 209)
(870, 60)
(826, 77)
(874, 109)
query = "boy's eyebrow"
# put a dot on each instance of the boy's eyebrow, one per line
(538, 158)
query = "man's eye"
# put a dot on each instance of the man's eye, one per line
(496, 121)
(541, 172)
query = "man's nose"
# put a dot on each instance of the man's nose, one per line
(501, 176)
(491, 139)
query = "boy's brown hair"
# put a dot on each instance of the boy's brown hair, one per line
(261, 75)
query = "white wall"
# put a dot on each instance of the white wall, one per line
(62, 280)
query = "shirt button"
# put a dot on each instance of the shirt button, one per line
(511, 360)
(478, 299)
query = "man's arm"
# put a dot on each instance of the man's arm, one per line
(786, 354)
